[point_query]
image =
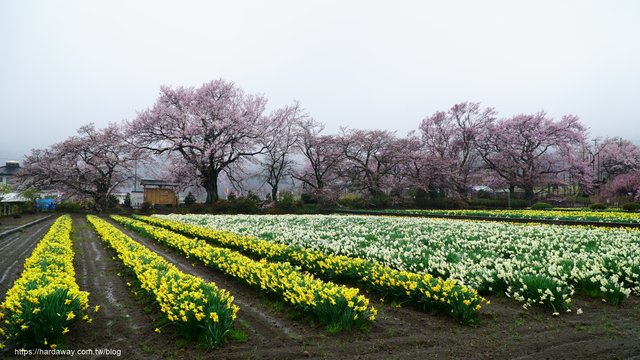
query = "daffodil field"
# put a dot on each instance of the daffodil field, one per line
(422, 290)
(45, 302)
(336, 273)
(199, 308)
(534, 264)
(339, 307)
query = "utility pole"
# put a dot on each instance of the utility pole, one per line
(135, 176)
(593, 160)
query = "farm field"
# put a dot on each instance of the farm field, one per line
(127, 321)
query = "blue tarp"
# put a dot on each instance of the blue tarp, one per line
(45, 204)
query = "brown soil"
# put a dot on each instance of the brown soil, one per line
(505, 329)
(16, 247)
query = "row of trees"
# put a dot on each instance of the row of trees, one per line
(217, 130)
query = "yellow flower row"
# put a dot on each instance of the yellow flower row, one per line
(46, 299)
(337, 306)
(554, 214)
(423, 290)
(199, 307)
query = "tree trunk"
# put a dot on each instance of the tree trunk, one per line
(100, 202)
(274, 192)
(210, 184)
(101, 197)
(461, 191)
(375, 191)
(528, 194)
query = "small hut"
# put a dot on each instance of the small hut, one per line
(159, 192)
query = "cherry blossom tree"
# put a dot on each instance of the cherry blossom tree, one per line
(413, 170)
(322, 157)
(531, 150)
(617, 156)
(209, 128)
(91, 164)
(279, 142)
(370, 157)
(450, 137)
(624, 186)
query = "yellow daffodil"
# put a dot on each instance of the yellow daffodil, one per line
(214, 317)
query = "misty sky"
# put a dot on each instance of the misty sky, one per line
(366, 64)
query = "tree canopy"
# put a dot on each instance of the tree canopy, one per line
(218, 131)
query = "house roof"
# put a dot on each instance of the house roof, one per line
(10, 168)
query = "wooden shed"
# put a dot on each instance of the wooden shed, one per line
(159, 192)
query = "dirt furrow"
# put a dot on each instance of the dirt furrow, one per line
(594, 348)
(121, 323)
(14, 249)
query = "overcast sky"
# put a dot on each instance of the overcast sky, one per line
(365, 64)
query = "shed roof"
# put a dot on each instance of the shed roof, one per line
(13, 197)
(159, 183)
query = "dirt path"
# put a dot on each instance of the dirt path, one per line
(15, 248)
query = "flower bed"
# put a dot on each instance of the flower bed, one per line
(198, 308)
(46, 300)
(338, 307)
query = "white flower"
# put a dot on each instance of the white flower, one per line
(579, 311)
